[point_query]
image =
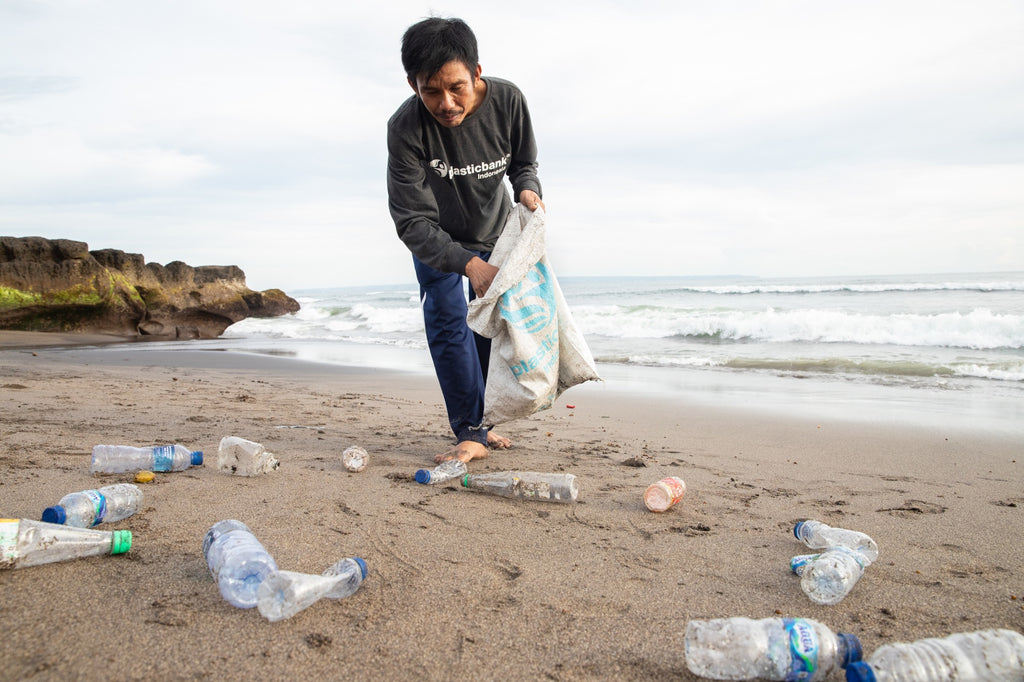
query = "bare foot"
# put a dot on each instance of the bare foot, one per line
(498, 442)
(465, 451)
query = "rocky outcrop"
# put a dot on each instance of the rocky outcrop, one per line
(59, 285)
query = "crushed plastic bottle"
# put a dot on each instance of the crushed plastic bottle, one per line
(283, 594)
(30, 543)
(982, 656)
(445, 471)
(355, 459)
(818, 535)
(768, 649)
(117, 459)
(664, 494)
(525, 485)
(828, 577)
(237, 561)
(242, 457)
(88, 508)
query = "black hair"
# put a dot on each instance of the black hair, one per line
(430, 44)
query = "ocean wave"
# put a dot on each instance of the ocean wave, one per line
(868, 288)
(978, 329)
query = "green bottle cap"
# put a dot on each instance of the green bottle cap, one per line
(121, 541)
(465, 481)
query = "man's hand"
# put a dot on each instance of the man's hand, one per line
(481, 274)
(531, 200)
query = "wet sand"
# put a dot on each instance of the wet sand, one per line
(464, 585)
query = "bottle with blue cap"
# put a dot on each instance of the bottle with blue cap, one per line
(29, 543)
(117, 459)
(238, 562)
(283, 594)
(982, 656)
(88, 508)
(767, 649)
(447, 470)
(818, 535)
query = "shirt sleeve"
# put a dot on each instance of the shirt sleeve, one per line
(522, 170)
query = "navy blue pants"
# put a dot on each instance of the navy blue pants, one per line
(460, 355)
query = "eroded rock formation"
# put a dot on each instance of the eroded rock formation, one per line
(59, 285)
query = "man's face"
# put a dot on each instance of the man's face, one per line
(451, 94)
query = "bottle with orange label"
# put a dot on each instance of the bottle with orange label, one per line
(661, 495)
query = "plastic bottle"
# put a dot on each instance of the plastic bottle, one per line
(116, 459)
(285, 593)
(243, 457)
(91, 507)
(526, 485)
(818, 535)
(983, 656)
(445, 471)
(30, 543)
(769, 649)
(828, 577)
(237, 561)
(665, 493)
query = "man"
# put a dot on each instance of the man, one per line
(450, 147)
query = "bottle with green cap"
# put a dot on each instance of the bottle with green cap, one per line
(88, 508)
(29, 543)
(529, 485)
(116, 459)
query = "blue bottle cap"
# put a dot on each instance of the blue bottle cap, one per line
(423, 476)
(362, 566)
(197, 457)
(55, 514)
(796, 529)
(860, 672)
(854, 652)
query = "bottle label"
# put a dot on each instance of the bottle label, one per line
(163, 457)
(803, 649)
(99, 505)
(8, 541)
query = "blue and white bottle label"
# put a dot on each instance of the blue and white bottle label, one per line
(804, 649)
(99, 505)
(163, 458)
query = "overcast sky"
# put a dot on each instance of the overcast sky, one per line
(775, 138)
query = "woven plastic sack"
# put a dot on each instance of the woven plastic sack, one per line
(536, 350)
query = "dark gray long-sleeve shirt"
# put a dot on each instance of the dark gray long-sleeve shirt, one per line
(445, 185)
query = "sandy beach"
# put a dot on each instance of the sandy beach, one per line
(464, 585)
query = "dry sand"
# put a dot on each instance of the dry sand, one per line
(464, 585)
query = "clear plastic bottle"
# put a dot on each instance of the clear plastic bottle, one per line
(526, 485)
(237, 561)
(445, 471)
(818, 535)
(768, 649)
(116, 459)
(30, 543)
(828, 577)
(285, 593)
(983, 656)
(665, 493)
(88, 508)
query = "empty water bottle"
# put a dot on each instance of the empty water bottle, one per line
(285, 593)
(818, 535)
(116, 459)
(88, 508)
(769, 649)
(828, 577)
(983, 656)
(525, 484)
(237, 561)
(30, 543)
(445, 471)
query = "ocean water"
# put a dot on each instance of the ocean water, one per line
(924, 348)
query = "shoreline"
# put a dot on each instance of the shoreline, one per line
(463, 585)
